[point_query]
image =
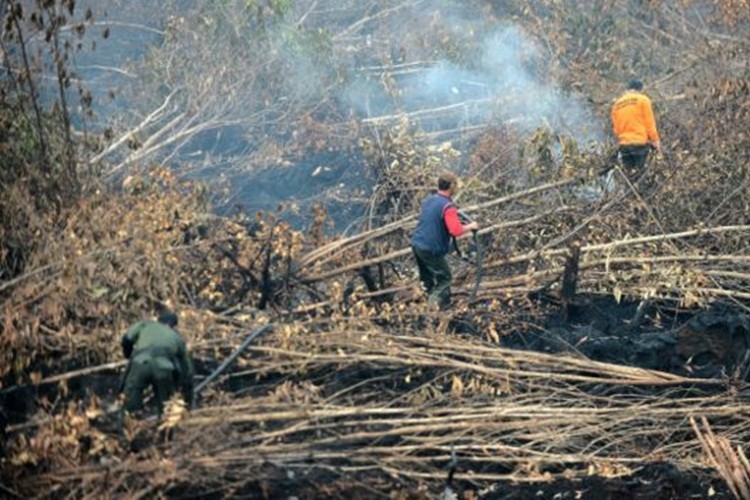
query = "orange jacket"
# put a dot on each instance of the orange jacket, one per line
(633, 119)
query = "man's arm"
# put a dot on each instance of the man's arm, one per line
(615, 123)
(453, 222)
(648, 115)
(186, 368)
(130, 338)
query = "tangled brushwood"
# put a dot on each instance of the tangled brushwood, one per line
(599, 347)
(362, 386)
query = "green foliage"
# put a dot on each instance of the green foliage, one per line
(280, 7)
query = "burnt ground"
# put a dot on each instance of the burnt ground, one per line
(713, 343)
(705, 344)
(655, 481)
(660, 481)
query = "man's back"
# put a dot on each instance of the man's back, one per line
(158, 357)
(154, 335)
(431, 233)
(633, 119)
(156, 340)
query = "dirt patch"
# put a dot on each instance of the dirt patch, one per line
(655, 481)
(705, 344)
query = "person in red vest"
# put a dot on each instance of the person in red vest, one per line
(635, 127)
(430, 243)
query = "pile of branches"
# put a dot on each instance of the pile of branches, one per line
(360, 386)
(363, 382)
(119, 254)
(630, 239)
(344, 404)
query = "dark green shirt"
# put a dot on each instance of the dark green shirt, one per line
(163, 344)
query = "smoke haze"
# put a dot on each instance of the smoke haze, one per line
(237, 106)
(506, 82)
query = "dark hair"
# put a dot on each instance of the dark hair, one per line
(168, 318)
(446, 180)
(635, 84)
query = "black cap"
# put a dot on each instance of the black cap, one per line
(635, 84)
(168, 318)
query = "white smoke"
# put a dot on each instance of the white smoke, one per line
(507, 81)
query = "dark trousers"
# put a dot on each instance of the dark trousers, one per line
(634, 158)
(435, 275)
(148, 371)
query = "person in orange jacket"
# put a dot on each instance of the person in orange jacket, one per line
(635, 127)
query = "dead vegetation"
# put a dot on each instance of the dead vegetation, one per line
(388, 410)
(361, 387)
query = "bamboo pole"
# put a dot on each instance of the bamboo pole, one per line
(114, 365)
(406, 222)
(322, 276)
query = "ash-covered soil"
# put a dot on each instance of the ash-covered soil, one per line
(714, 343)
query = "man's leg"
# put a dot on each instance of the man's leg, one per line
(634, 159)
(425, 276)
(136, 382)
(441, 294)
(163, 384)
(641, 155)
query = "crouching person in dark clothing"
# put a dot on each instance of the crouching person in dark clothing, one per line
(430, 243)
(158, 358)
